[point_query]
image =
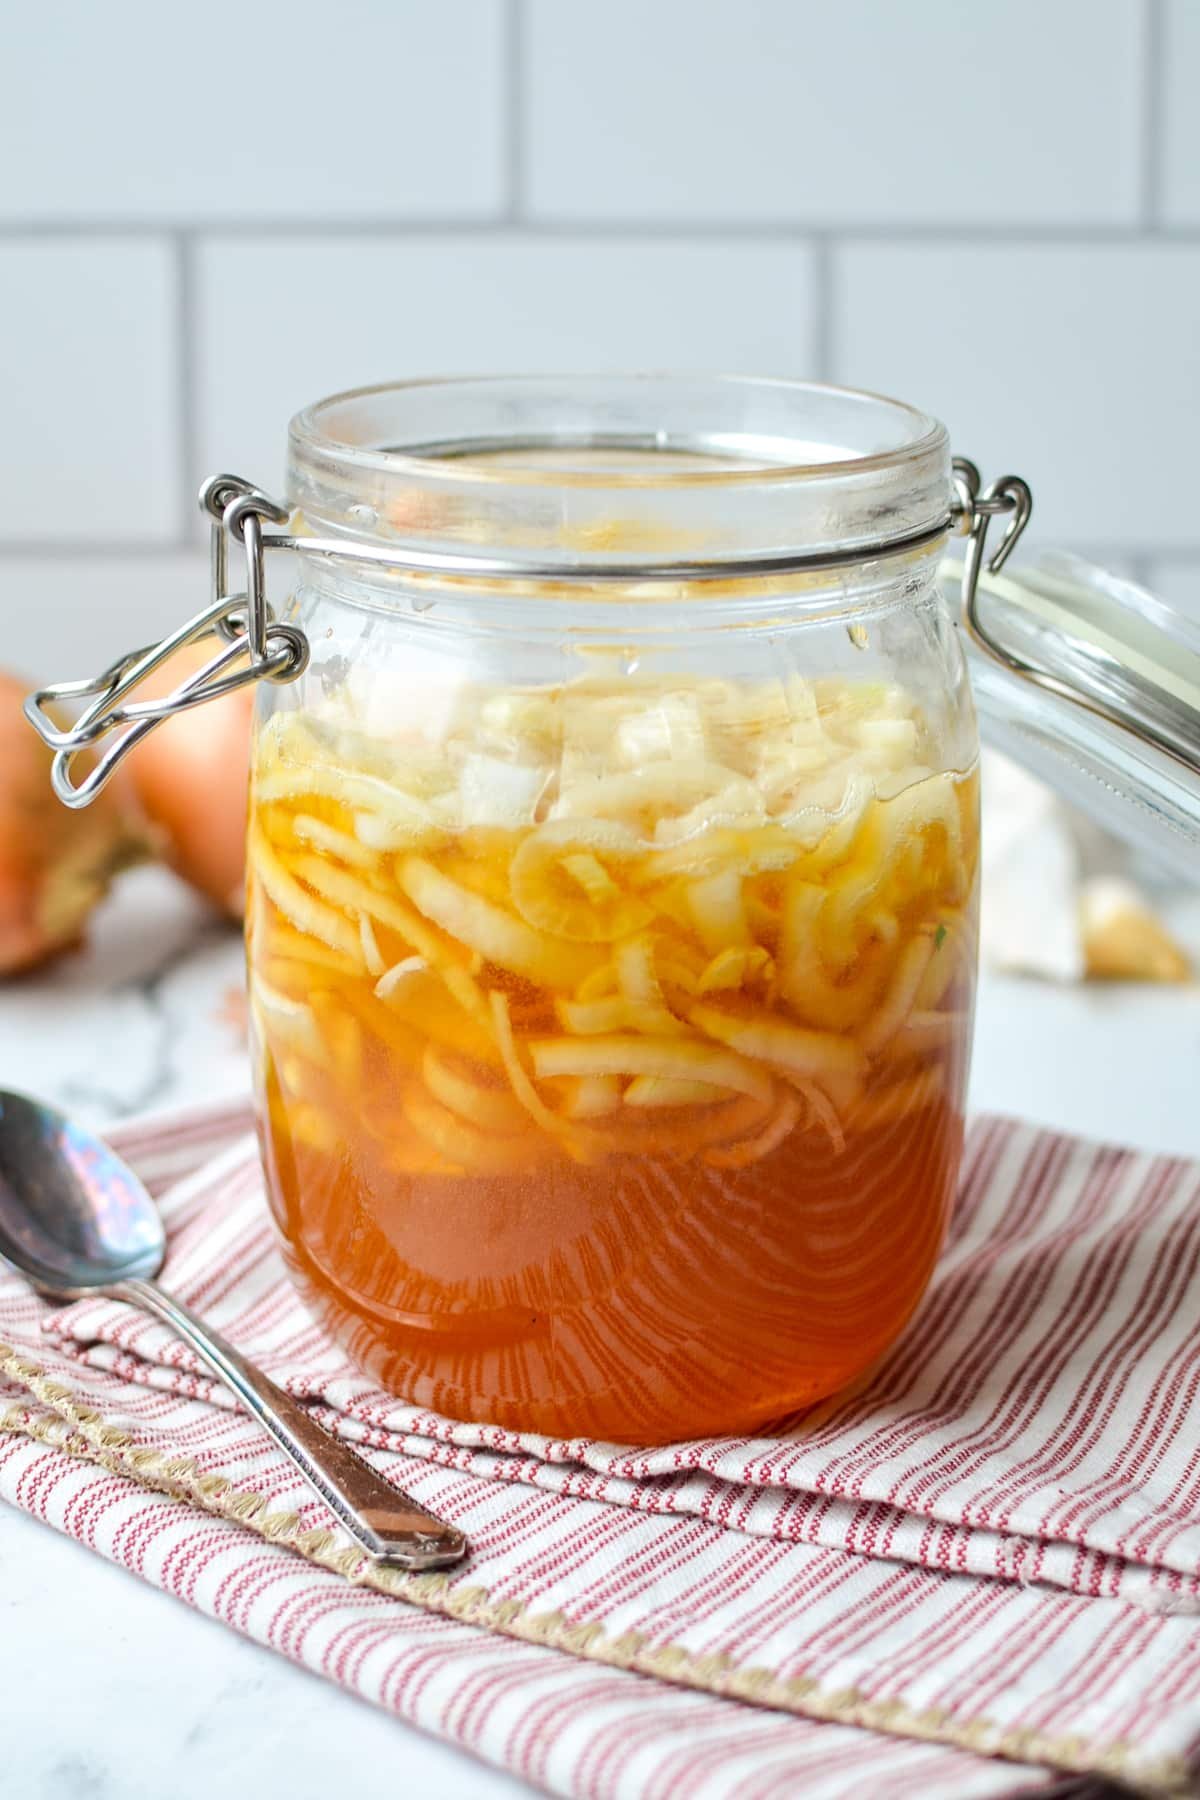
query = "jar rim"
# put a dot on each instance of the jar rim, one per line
(619, 472)
(309, 434)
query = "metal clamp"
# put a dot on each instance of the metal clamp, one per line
(1011, 495)
(251, 636)
(273, 651)
(1008, 496)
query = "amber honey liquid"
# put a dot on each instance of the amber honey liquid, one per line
(615, 1101)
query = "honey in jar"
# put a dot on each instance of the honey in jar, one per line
(613, 1049)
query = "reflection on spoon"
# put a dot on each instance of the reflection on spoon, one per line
(75, 1221)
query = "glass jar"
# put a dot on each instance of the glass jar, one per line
(612, 941)
(613, 883)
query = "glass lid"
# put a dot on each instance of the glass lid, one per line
(1094, 684)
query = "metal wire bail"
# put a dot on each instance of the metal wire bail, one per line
(270, 650)
(1008, 496)
(249, 635)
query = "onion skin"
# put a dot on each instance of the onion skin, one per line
(55, 864)
(191, 777)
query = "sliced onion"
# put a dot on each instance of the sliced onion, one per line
(310, 830)
(570, 879)
(482, 1153)
(665, 1090)
(590, 1096)
(900, 996)
(780, 1045)
(686, 1059)
(781, 1125)
(592, 1018)
(304, 911)
(464, 1093)
(498, 937)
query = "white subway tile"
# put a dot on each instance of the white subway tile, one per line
(285, 108)
(1180, 125)
(863, 112)
(70, 616)
(88, 391)
(285, 323)
(1177, 581)
(1079, 367)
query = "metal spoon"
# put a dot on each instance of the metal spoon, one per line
(74, 1220)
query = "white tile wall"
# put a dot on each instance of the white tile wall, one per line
(1181, 172)
(205, 224)
(89, 438)
(283, 108)
(862, 112)
(285, 322)
(1078, 365)
(69, 616)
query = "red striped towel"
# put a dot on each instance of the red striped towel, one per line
(991, 1551)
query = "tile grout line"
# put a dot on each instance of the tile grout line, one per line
(1150, 147)
(514, 111)
(187, 383)
(822, 255)
(966, 234)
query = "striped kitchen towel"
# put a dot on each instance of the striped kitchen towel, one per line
(978, 1574)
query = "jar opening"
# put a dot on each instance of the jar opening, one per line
(636, 469)
(707, 429)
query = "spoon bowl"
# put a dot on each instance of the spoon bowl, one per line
(74, 1220)
(73, 1216)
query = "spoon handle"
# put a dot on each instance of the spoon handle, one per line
(382, 1519)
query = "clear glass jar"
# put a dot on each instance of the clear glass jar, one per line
(613, 895)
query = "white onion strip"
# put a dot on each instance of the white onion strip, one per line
(685, 1059)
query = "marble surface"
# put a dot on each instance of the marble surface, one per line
(121, 1692)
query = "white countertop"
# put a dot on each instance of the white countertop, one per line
(122, 1693)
